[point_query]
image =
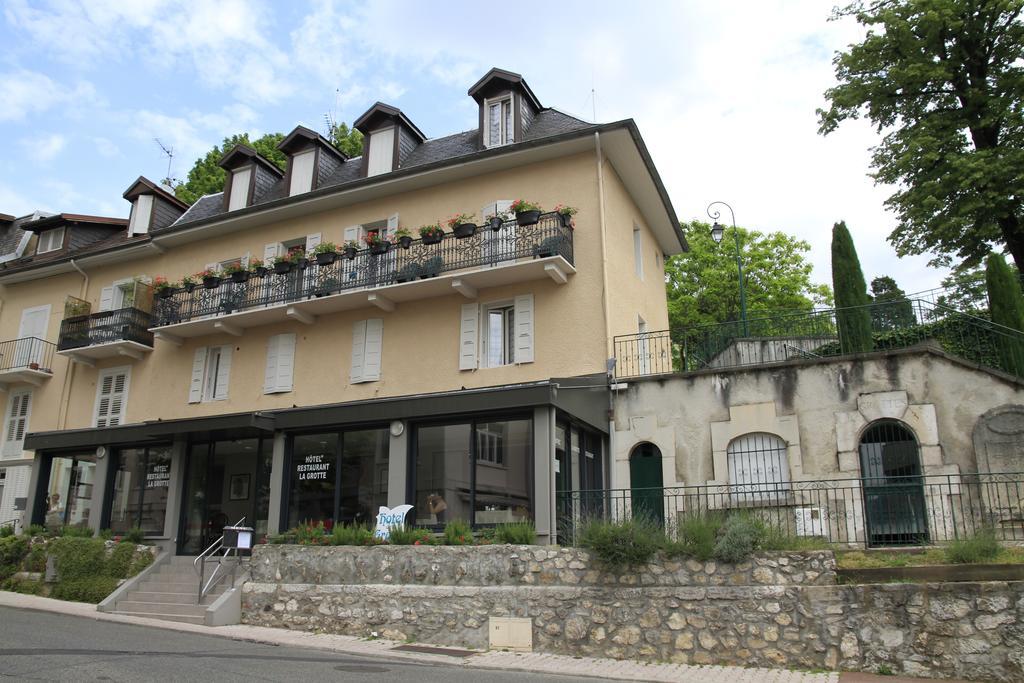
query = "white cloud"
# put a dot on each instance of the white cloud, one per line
(28, 92)
(46, 148)
(106, 147)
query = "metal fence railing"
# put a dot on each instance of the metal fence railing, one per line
(27, 353)
(367, 268)
(820, 334)
(871, 511)
(122, 324)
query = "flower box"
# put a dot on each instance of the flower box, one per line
(464, 230)
(525, 218)
(405, 241)
(240, 276)
(326, 258)
(379, 247)
(350, 252)
(211, 281)
(283, 267)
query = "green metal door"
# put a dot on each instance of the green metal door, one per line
(894, 503)
(646, 483)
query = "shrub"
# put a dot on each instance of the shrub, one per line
(26, 586)
(741, 536)
(457, 532)
(120, 560)
(516, 533)
(13, 550)
(76, 531)
(78, 558)
(981, 547)
(36, 530)
(92, 589)
(141, 561)
(624, 543)
(6, 531)
(407, 535)
(106, 534)
(697, 537)
(352, 534)
(134, 535)
(35, 561)
(309, 534)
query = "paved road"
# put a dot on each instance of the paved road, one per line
(36, 646)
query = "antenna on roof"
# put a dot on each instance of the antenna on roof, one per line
(169, 151)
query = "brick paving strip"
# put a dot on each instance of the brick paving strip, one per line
(506, 661)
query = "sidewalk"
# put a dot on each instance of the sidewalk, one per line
(507, 661)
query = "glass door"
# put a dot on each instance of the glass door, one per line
(69, 491)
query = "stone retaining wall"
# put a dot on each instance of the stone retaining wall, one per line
(445, 596)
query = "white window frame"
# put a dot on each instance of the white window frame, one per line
(50, 240)
(126, 370)
(142, 214)
(239, 197)
(380, 157)
(12, 448)
(507, 126)
(508, 333)
(638, 252)
(303, 170)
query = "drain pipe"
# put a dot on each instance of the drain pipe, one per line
(65, 395)
(609, 350)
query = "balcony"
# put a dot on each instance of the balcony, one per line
(26, 360)
(506, 255)
(106, 334)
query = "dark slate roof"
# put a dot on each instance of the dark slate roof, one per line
(547, 123)
(11, 235)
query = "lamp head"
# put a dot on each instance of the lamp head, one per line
(717, 231)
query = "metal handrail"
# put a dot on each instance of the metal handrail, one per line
(199, 564)
(16, 520)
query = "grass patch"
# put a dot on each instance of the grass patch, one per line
(516, 533)
(352, 534)
(880, 559)
(982, 547)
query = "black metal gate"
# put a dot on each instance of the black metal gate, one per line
(894, 502)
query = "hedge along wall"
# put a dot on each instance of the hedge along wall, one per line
(781, 610)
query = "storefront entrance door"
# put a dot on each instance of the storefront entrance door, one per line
(225, 481)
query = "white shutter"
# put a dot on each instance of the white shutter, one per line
(142, 209)
(353, 233)
(213, 267)
(111, 397)
(392, 225)
(271, 251)
(245, 260)
(358, 351)
(223, 373)
(302, 173)
(34, 324)
(195, 387)
(107, 298)
(372, 350)
(382, 151)
(313, 240)
(280, 363)
(18, 409)
(239, 189)
(524, 328)
(469, 336)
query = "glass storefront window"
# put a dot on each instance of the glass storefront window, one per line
(313, 474)
(69, 491)
(479, 472)
(141, 482)
(364, 475)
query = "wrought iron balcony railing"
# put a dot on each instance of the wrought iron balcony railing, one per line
(308, 279)
(27, 353)
(104, 327)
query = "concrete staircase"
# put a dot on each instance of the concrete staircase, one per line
(170, 593)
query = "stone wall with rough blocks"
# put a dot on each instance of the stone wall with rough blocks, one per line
(777, 611)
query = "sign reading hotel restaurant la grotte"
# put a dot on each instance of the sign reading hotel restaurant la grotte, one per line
(313, 468)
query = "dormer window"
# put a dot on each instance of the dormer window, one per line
(382, 151)
(302, 172)
(142, 211)
(240, 188)
(50, 240)
(499, 122)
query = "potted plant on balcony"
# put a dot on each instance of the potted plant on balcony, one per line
(432, 234)
(162, 287)
(403, 237)
(431, 267)
(377, 243)
(325, 253)
(237, 272)
(285, 262)
(210, 278)
(497, 220)
(462, 225)
(527, 213)
(188, 283)
(565, 214)
(258, 268)
(408, 272)
(349, 249)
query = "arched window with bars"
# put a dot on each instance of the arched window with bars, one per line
(758, 468)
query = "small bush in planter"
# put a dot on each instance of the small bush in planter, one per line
(498, 220)
(285, 262)
(349, 249)
(407, 535)
(403, 237)
(431, 234)
(135, 536)
(210, 278)
(76, 531)
(162, 286)
(516, 533)
(621, 544)
(236, 272)
(325, 253)
(527, 213)
(462, 225)
(352, 534)
(257, 266)
(458, 532)
(376, 242)
(188, 283)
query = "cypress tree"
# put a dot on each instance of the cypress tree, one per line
(1006, 307)
(851, 294)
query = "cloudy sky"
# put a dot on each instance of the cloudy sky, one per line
(724, 94)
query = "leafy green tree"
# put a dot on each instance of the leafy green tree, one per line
(964, 290)
(348, 140)
(703, 283)
(1006, 306)
(891, 310)
(851, 293)
(206, 177)
(943, 82)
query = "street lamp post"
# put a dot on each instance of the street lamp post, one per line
(717, 232)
